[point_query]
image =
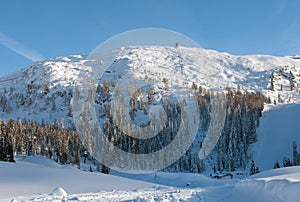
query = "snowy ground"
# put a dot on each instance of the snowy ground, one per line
(40, 179)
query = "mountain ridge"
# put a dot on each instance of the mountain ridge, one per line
(207, 68)
(43, 92)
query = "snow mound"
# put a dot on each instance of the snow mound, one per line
(272, 185)
(260, 190)
(38, 161)
(58, 191)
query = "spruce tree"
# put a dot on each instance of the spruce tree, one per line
(272, 82)
(295, 154)
(292, 77)
(252, 168)
(286, 162)
(257, 170)
(10, 154)
(276, 165)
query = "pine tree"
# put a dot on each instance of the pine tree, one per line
(286, 162)
(280, 100)
(257, 170)
(272, 82)
(292, 77)
(10, 152)
(295, 154)
(85, 156)
(194, 86)
(276, 165)
(252, 168)
(53, 107)
(105, 169)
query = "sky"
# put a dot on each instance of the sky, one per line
(36, 30)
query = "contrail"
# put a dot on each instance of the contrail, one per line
(19, 48)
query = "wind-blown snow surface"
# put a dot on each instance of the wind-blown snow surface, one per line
(41, 179)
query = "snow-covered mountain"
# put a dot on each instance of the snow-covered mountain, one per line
(43, 91)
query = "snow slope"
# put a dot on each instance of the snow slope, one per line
(279, 128)
(35, 175)
(40, 179)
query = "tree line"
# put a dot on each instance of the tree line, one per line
(287, 162)
(60, 142)
(243, 110)
(28, 138)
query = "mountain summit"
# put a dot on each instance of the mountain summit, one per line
(43, 90)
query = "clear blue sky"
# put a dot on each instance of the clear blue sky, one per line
(43, 29)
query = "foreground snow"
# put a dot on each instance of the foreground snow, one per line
(40, 179)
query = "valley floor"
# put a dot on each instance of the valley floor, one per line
(41, 179)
